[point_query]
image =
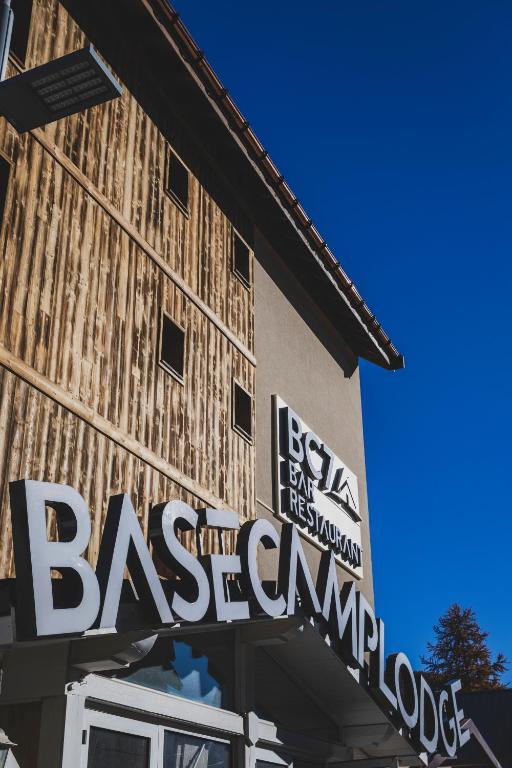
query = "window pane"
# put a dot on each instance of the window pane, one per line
(22, 10)
(241, 260)
(172, 346)
(242, 410)
(184, 751)
(174, 667)
(5, 170)
(110, 749)
(177, 182)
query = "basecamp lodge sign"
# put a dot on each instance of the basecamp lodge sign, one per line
(315, 489)
(89, 600)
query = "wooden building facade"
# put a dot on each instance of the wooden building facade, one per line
(162, 290)
(95, 251)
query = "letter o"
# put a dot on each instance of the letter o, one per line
(409, 718)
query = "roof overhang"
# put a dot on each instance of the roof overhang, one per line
(306, 657)
(296, 646)
(293, 643)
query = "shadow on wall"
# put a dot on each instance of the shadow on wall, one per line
(292, 289)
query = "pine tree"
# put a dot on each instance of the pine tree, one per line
(460, 652)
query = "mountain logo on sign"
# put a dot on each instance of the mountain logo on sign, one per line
(342, 495)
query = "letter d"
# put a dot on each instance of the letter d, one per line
(35, 557)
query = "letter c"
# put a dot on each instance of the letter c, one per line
(311, 443)
(251, 535)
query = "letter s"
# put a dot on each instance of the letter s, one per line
(164, 519)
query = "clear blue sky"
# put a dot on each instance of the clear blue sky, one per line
(393, 123)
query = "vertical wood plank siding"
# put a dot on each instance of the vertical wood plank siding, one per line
(42, 440)
(124, 155)
(81, 302)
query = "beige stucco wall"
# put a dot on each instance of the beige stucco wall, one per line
(304, 360)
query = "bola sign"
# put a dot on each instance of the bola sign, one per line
(315, 489)
(432, 722)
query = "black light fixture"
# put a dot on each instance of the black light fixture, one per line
(53, 90)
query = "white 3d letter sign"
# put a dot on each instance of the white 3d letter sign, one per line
(216, 587)
(35, 557)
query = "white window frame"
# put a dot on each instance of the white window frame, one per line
(129, 701)
(155, 733)
(269, 756)
(95, 719)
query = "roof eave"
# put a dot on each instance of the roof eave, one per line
(379, 348)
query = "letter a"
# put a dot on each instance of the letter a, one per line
(122, 546)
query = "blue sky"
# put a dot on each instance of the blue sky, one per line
(393, 123)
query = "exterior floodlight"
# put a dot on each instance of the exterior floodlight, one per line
(57, 89)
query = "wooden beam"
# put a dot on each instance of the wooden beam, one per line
(98, 422)
(132, 232)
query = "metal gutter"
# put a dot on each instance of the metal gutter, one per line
(239, 126)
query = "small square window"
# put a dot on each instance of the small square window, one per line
(5, 170)
(22, 10)
(172, 347)
(241, 260)
(177, 182)
(242, 411)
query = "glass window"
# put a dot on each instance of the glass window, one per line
(22, 10)
(5, 170)
(111, 749)
(174, 667)
(172, 346)
(177, 182)
(241, 260)
(182, 750)
(242, 410)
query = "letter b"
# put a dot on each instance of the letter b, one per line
(291, 431)
(35, 557)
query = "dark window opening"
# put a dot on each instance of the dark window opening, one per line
(242, 411)
(22, 10)
(172, 347)
(177, 182)
(241, 260)
(117, 750)
(5, 170)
